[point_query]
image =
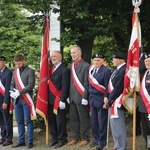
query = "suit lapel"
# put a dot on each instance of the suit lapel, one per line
(100, 70)
(120, 69)
(3, 73)
(98, 74)
(23, 72)
(57, 70)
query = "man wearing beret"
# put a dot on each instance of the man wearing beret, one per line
(114, 101)
(5, 115)
(98, 82)
(144, 100)
(142, 70)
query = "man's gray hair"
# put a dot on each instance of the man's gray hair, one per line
(77, 47)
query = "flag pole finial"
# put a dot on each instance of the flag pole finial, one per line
(136, 4)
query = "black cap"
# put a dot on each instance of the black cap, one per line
(119, 55)
(147, 55)
(2, 58)
(98, 56)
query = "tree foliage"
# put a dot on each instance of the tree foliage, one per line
(95, 25)
(102, 25)
(17, 34)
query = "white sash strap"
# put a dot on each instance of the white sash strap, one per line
(26, 96)
(94, 82)
(116, 104)
(76, 81)
(2, 88)
(110, 86)
(145, 96)
(114, 108)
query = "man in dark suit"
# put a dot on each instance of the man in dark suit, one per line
(113, 99)
(5, 115)
(142, 70)
(22, 85)
(79, 109)
(98, 78)
(58, 93)
(144, 97)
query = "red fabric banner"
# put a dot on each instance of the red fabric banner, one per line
(42, 97)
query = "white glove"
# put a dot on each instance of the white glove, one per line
(84, 102)
(12, 94)
(62, 105)
(68, 101)
(15, 94)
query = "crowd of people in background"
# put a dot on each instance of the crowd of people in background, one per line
(86, 89)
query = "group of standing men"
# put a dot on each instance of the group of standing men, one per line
(16, 88)
(92, 90)
(89, 88)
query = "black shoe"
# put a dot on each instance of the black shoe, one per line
(30, 145)
(7, 143)
(60, 144)
(93, 144)
(53, 143)
(100, 147)
(18, 145)
(2, 141)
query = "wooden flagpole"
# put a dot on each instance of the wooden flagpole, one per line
(47, 131)
(136, 4)
(134, 121)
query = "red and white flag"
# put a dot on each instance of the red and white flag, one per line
(42, 97)
(131, 79)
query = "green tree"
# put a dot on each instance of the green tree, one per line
(18, 34)
(107, 23)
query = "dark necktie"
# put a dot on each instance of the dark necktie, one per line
(94, 71)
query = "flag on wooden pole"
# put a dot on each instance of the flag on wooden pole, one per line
(42, 96)
(132, 79)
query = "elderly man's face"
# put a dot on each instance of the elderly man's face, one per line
(56, 58)
(97, 62)
(75, 54)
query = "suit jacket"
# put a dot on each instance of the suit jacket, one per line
(60, 79)
(142, 107)
(142, 68)
(28, 79)
(102, 76)
(118, 84)
(82, 74)
(6, 81)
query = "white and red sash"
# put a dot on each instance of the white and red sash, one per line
(116, 104)
(76, 81)
(57, 95)
(145, 96)
(2, 88)
(2, 91)
(94, 82)
(26, 96)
